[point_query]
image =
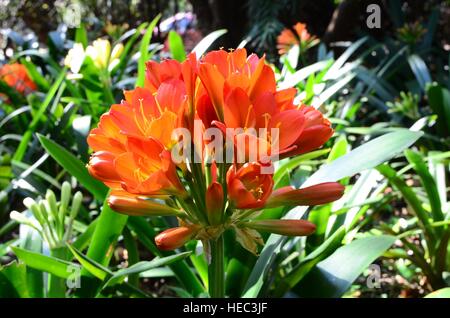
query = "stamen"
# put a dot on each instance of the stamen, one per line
(141, 107)
(247, 117)
(267, 118)
(157, 103)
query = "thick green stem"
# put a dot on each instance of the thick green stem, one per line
(57, 285)
(106, 81)
(216, 273)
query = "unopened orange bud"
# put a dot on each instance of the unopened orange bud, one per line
(214, 203)
(134, 205)
(283, 227)
(101, 166)
(317, 194)
(174, 238)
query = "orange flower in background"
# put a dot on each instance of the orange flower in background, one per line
(16, 76)
(301, 36)
(227, 90)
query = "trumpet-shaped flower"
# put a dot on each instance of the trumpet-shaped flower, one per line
(144, 167)
(248, 187)
(240, 93)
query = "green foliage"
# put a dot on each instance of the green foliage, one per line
(143, 50)
(176, 46)
(333, 276)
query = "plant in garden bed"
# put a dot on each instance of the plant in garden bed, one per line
(428, 207)
(205, 155)
(209, 191)
(233, 98)
(53, 221)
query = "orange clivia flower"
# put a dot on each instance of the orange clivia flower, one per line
(134, 145)
(298, 36)
(317, 130)
(16, 76)
(101, 166)
(240, 93)
(145, 167)
(248, 187)
(221, 73)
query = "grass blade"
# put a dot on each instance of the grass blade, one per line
(176, 46)
(45, 263)
(145, 56)
(21, 149)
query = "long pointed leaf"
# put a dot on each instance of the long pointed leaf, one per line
(145, 56)
(74, 166)
(45, 263)
(21, 149)
(334, 275)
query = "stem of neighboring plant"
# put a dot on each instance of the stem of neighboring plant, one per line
(216, 273)
(57, 285)
(106, 80)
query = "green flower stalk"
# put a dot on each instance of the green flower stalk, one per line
(53, 220)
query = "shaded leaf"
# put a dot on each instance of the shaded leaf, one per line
(45, 263)
(334, 275)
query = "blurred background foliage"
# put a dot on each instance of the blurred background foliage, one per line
(259, 21)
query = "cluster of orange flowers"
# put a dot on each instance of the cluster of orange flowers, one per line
(133, 141)
(16, 76)
(287, 39)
